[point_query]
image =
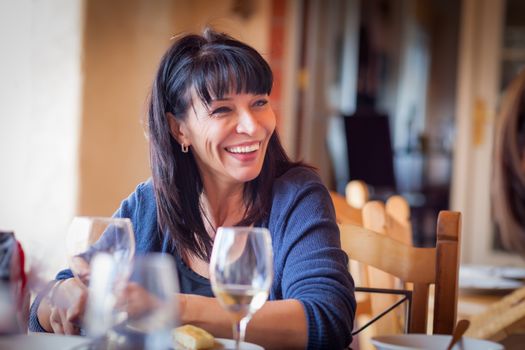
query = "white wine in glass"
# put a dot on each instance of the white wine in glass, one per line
(241, 273)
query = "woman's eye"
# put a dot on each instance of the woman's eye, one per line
(260, 103)
(220, 110)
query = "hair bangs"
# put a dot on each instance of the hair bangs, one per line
(219, 73)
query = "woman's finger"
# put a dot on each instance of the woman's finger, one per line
(66, 325)
(69, 328)
(75, 313)
(55, 321)
(136, 301)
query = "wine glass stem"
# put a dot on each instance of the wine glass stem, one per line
(239, 330)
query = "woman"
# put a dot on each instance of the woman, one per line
(216, 161)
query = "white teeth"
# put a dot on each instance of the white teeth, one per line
(244, 149)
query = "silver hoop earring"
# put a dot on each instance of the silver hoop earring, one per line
(184, 148)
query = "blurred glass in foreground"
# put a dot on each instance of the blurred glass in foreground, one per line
(14, 296)
(138, 313)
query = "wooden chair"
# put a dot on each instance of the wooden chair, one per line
(357, 193)
(397, 210)
(376, 219)
(344, 213)
(397, 206)
(395, 222)
(420, 266)
(398, 222)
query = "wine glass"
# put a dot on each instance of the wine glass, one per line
(150, 302)
(241, 272)
(88, 236)
(105, 285)
(136, 313)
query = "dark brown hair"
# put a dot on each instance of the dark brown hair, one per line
(213, 64)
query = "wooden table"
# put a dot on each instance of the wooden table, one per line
(42, 341)
(471, 305)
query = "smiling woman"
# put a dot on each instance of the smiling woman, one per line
(216, 160)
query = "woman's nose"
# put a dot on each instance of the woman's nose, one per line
(247, 124)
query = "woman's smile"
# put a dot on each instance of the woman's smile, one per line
(244, 148)
(246, 152)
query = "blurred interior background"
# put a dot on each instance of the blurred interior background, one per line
(402, 94)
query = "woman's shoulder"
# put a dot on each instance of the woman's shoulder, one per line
(140, 200)
(297, 184)
(145, 189)
(140, 207)
(298, 177)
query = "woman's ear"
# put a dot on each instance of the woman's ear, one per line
(178, 130)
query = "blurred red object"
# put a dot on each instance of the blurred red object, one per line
(14, 294)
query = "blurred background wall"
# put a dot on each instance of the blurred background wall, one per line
(40, 116)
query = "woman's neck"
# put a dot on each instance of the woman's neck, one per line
(222, 205)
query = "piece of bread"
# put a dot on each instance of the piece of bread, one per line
(192, 338)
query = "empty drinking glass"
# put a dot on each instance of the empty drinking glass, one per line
(139, 313)
(88, 236)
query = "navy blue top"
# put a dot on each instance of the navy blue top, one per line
(191, 282)
(309, 265)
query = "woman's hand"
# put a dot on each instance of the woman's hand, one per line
(136, 301)
(67, 305)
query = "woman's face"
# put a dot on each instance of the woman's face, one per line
(229, 138)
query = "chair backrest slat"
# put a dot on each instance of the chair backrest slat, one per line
(389, 255)
(345, 214)
(447, 267)
(419, 316)
(356, 193)
(398, 219)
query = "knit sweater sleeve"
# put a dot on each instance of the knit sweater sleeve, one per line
(310, 265)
